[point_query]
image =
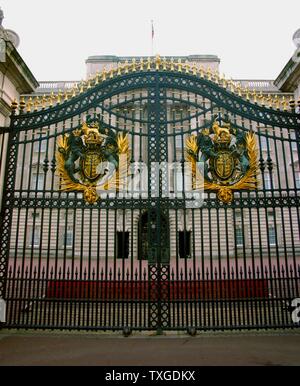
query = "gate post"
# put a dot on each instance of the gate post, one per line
(7, 199)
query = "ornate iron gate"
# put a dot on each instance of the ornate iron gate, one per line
(109, 221)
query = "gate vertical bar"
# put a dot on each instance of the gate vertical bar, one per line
(158, 264)
(7, 202)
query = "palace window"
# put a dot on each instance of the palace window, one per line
(69, 237)
(271, 228)
(122, 245)
(272, 235)
(184, 238)
(239, 236)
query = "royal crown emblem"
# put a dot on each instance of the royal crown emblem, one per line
(92, 159)
(229, 159)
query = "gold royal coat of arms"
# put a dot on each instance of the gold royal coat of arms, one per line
(92, 158)
(228, 157)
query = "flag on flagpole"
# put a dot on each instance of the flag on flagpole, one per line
(152, 29)
(152, 37)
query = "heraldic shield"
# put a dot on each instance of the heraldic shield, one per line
(230, 160)
(92, 159)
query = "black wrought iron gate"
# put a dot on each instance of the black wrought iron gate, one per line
(104, 222)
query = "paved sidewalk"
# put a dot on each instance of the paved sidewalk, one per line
(236, 348)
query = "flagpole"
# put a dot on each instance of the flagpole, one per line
(152, 38)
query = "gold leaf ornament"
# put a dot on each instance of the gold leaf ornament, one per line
(225, 190)
(89, 189)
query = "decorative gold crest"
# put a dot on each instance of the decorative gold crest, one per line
(229, 157)
(92, 158)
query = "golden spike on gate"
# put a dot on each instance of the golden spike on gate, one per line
(111, 73)
(164, 64)
(247, 94)
(157, 62)
(172, 65)
(254, 96)
(22, 104)
(208, 73)
(216, 77)
(50, 100)
(58, 97)
(179, 65)
(119, 69)
(14, 106)
(44, 102)
(194, 69)
(149, 64)
(141, 64)
(133, 66)
(36, 103)
(126, 67)
(276, 102)
(239, 89)
(201, 71)
(29, 105)
(187, 67)
(269, 100)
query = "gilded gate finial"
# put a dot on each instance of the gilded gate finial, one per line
(254, 96)
(194, 69)
(164, 62)
(29, 105)
(172, 68)
(141, 64)
(126, 67)
(111, 73)
(133, 65)
(14, 106)
(208, 72)
(119, 69)
(22, 104)
(157, 62)
(149, 64)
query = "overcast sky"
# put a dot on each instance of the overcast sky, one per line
(252, 38)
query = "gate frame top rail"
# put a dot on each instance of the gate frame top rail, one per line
(178, 76)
